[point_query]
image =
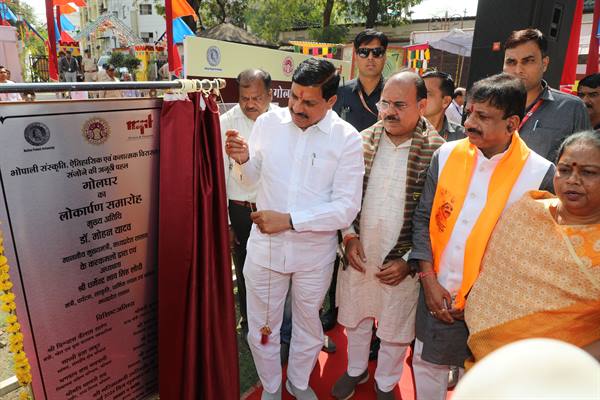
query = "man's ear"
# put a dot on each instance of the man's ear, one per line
(331, 101)
(446, 100)
(545, 62)
(512, 123)
(421, 106)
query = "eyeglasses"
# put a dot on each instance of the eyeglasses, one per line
(386, 105)
(363, 52)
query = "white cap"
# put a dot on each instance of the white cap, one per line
(533, 369)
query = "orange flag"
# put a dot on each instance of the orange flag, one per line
(80, 3)
(61, 2)
(67, 9)
(181, 8)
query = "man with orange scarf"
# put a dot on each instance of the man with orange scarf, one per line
(470, 182)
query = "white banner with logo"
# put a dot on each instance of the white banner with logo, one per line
(79, 212)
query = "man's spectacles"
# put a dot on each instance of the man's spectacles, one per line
(363, 52)
(383, 105)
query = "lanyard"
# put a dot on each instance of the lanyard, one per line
(530, 112)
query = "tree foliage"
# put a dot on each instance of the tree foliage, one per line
(129, 61)
(325, 19)
(381, 12)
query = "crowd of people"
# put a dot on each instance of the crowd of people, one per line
(465, 221)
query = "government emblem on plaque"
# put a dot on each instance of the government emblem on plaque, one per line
(96, 130)
(37, 134)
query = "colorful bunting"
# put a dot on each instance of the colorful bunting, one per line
(417, 57)
(6, 13)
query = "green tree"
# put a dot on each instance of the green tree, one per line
(267, 18)
(382, 12)
(129, 61)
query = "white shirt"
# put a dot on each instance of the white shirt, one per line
(315, 175)
(10, 96)
(236, 119)
(452, 260)
(454, 113)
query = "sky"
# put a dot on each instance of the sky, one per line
(427, 8)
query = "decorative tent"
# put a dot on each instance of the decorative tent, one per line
(126, 36)
(456, 42)
(231, 33)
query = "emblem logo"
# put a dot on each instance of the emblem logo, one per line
(213, 56)
(288, 65)
(96, 130)
(140, 125)
(37, 134)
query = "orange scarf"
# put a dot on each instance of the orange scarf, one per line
(450, 194)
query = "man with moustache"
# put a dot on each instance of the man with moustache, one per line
(440, 89)
(378, 285)
(588, 90)
(357, 99)
(470, 182)
(550, 115)
(255, 95)
(308, 166)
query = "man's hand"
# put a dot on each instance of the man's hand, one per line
(457, 314)
(270, 222)
(236, 146)
(393, 272)
(437, 298)
(355, 254)
(233, 240)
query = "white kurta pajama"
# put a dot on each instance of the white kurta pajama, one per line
(362, 297)
(316, 176)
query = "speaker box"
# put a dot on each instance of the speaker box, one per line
(496, 19)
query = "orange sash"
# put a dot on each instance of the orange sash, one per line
(450, 194)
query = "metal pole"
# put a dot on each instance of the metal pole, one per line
(170, 55)
(184, 85)
(52, 61)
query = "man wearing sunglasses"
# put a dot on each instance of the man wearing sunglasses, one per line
(357, 98)
(356, 104)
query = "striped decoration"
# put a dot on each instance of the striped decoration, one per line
(417, 57)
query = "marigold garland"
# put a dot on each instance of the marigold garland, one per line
(15, 337)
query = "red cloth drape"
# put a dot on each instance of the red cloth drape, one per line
(571, 56)
(592, 62)
(197, 338)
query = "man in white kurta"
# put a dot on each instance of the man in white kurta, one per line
(255, 97)
(308, 164)
(378, 286)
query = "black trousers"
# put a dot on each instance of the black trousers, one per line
(241, 223)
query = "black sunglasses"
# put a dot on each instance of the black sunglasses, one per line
(363, 52)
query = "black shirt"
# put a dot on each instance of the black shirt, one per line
(350, 108)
